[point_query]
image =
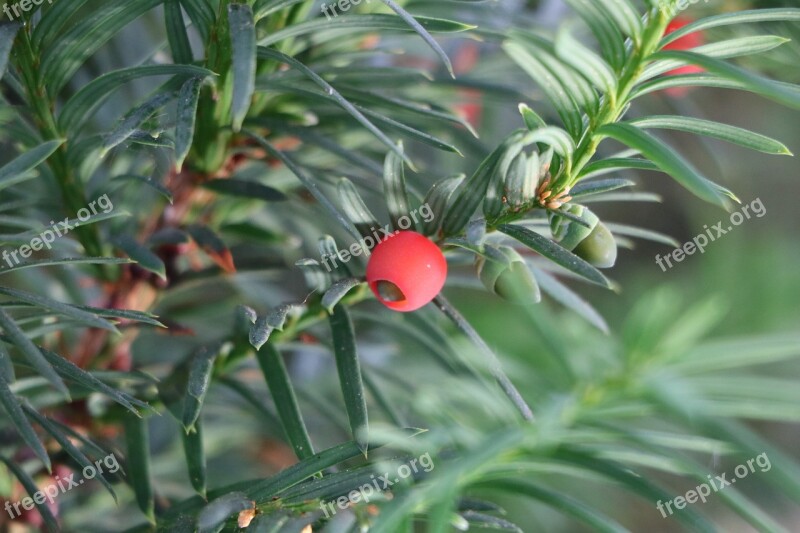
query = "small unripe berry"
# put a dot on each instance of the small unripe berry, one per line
(599, 248)
(406, 271)
(569, 233)
(506, 274)
(594, 244)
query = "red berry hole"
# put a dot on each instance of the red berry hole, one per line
(388, 291)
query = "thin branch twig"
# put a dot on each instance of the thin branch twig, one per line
(494, 364)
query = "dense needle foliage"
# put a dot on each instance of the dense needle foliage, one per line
(199, 160)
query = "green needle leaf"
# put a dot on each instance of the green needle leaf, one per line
(195, 457)
(666, 159)
(782, 93)
(243, 43)
(200, 371)
(188, 97)
(143, 256)
(31, 352)
(732, 134)
(66, 444)
(349, 367)
(285, 400)
(555, 253)
(18, 169)
(137, 444)
(176, 32)
(420, 29)
(31, 488)
(214, 515)
(13, 408)
(8, 31)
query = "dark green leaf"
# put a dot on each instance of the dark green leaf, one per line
(130, 124)
(349, 368)
(285, 400)
(69, 49)
(307, 468)
(66, 444)
(8, 31)
(709, 128)
(420, 29)
(437, 199)
(489, 522)
(18, 169)
(85, 102)
(13, 408)
(784, 94)
(243, 55)
(370, 23)
(213, 246)
(588, 188)
(137, 444)
(471, 192)
(68, 261)
(214, 515)
(148, 181)
(566, 504)
(195, 457)
(355, 208)
(31, 488)
(334, 95)
(666, 159)
(264, 8)
(307, 181)
(31, 352)
(140, 253)
(202, 14)
(81, 377)
(188, 98)
(260, 332)
(245, 189)
(337, 291)
(176, 32)
(555, 253)
(736, 17)
(496, 369)
(394, 188)
(200, 370)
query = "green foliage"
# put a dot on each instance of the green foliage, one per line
(268, 129)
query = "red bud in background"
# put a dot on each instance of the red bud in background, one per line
(687, 42)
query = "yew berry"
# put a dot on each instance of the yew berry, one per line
(687, 42)
(406, 271)
(598, 248)
(594, 243)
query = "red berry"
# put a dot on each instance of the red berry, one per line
(687, 42)
(406, 271)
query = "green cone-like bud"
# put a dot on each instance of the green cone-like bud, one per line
(506, 274)
(599, 248)
(569, 233)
